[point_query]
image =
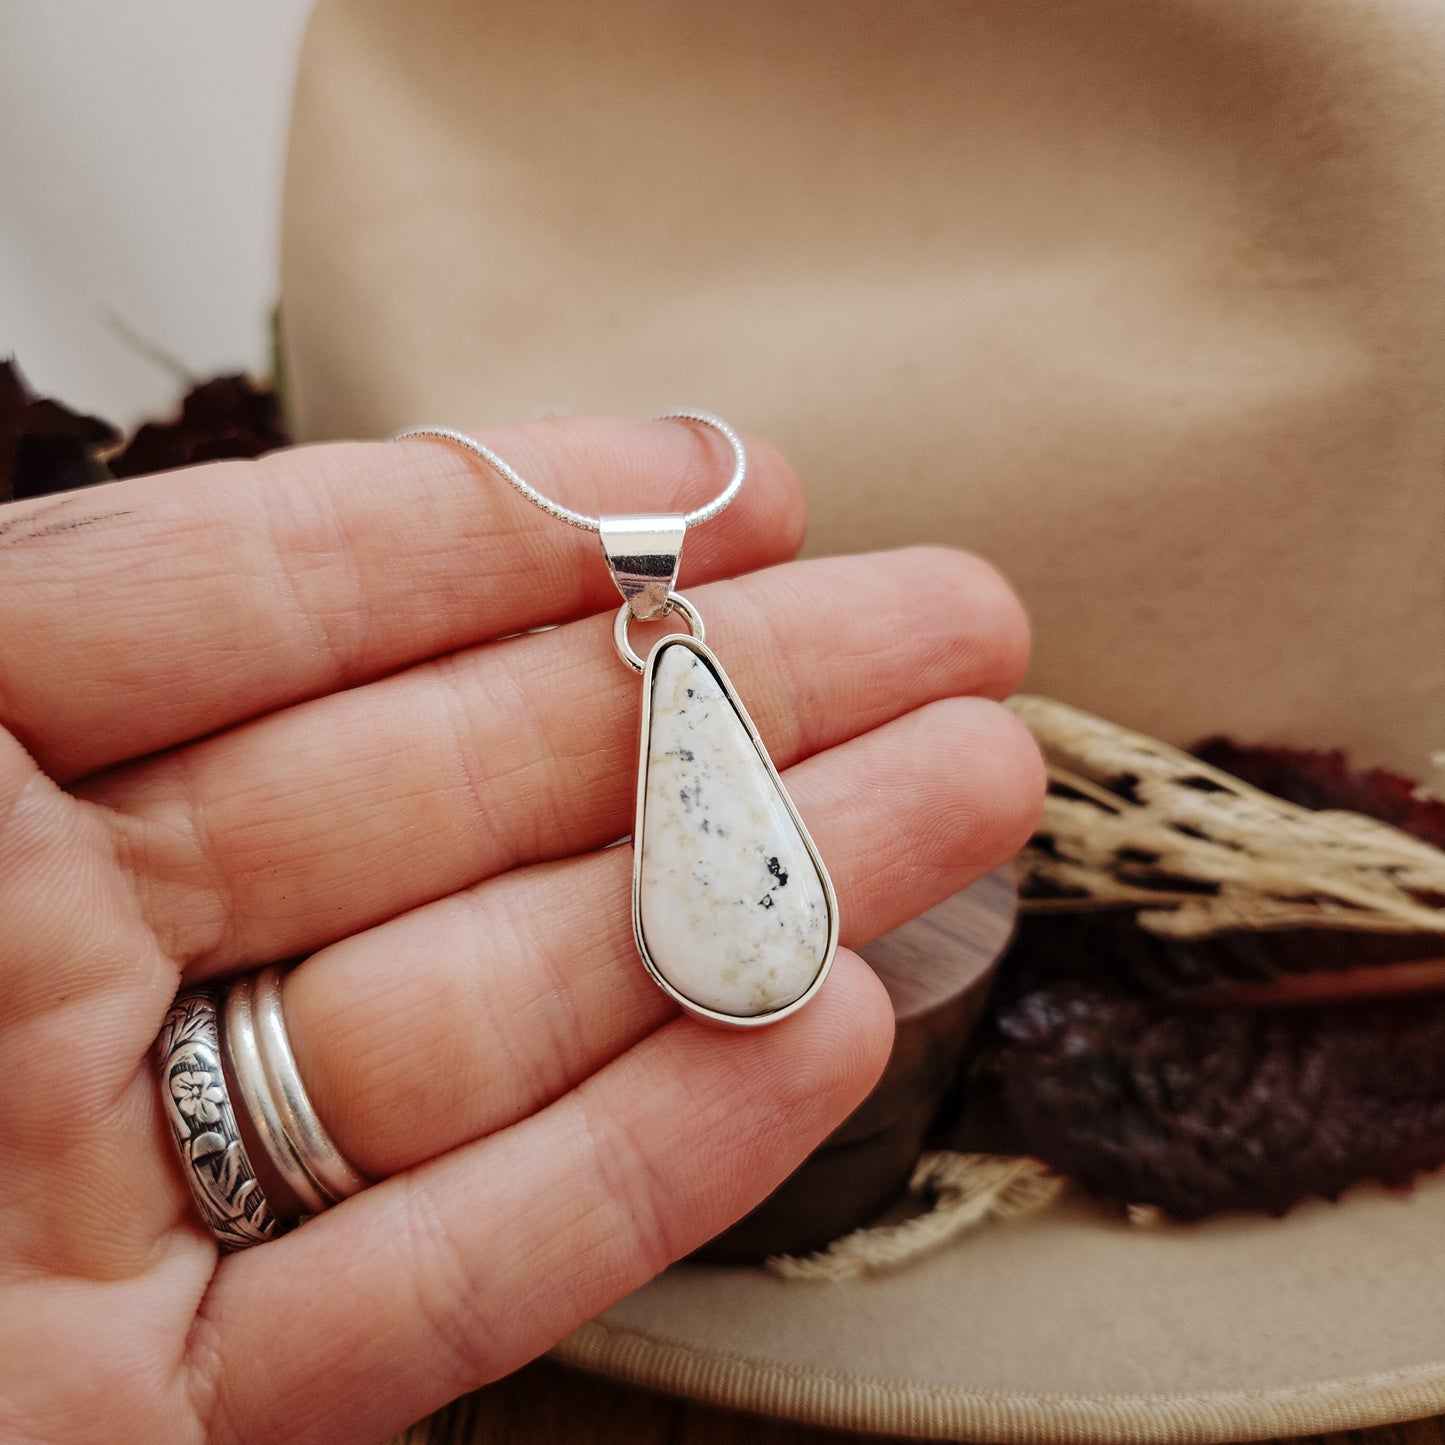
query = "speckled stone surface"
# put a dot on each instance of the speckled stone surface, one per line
(734, 912)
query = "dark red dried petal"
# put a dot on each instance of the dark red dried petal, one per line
(1109, 946)
(227, 417)
(44, 446)
(1326, 780)
(1199, 1111)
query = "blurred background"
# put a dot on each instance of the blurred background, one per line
(141, 153)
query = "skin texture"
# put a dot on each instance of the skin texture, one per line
(258, 710)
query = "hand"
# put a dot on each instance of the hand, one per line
(256, 710)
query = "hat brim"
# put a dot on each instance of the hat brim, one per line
(1073, 1326)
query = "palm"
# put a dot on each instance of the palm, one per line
(262, 713)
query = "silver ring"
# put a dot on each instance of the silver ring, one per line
(286, 1122)
(322, 1160)
(244, 1056)
(198, 1109)
(675, 602)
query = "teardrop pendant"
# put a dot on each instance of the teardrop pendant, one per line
(733, 910)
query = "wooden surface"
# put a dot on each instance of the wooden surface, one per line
(548, 1405)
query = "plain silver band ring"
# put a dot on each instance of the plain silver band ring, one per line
(198, 1109)
(244, 1056)
(328, 1168)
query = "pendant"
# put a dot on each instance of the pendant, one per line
(732, 908)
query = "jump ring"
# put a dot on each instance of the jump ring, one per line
(620, 640)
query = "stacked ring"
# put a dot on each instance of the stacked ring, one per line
(270, 1083)
(202, 1116)
(198, 1108)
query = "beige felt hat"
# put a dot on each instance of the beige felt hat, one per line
(1144, 302)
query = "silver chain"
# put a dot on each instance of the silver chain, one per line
(580, 519)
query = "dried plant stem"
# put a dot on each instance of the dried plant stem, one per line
(1131, 822)
(967, 1190)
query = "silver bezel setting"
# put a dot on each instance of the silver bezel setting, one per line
(697, 1010)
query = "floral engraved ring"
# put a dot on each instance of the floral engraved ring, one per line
(217, 1166)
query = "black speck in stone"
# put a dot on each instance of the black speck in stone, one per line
(778, 872)
(685, 754)
(689, 692)
(766, 901)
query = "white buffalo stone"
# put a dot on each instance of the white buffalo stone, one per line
(734, 914)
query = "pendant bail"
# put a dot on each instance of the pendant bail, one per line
(643, 553)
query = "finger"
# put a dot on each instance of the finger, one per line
(306, 826)
(448, 1276)
(80, 981)
(478, 1010)
(183, 602)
